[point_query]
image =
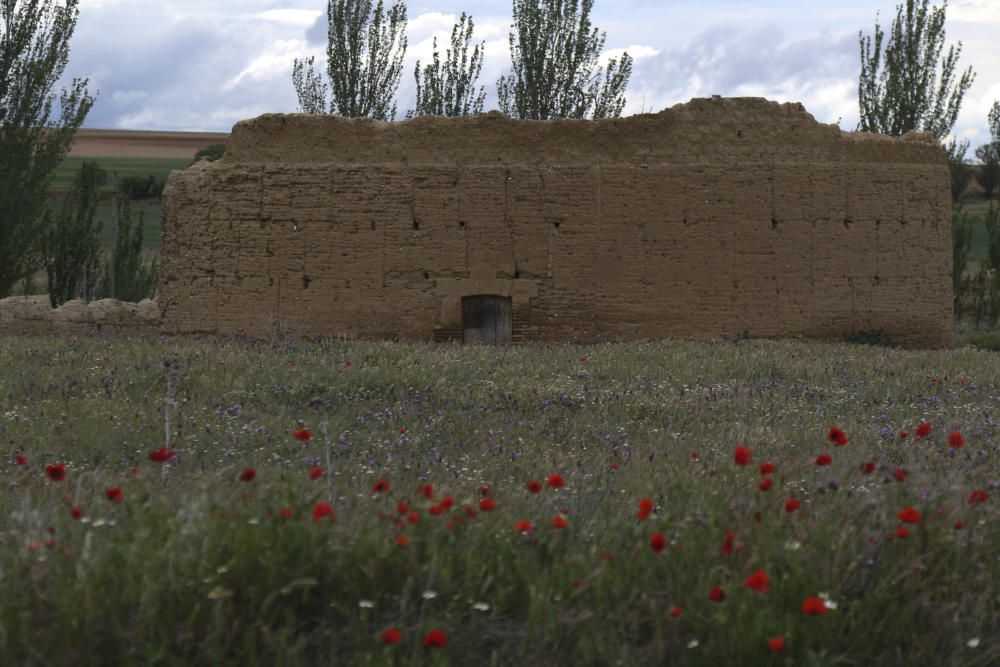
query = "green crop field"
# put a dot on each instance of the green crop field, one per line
(124, 166)
(194, 501)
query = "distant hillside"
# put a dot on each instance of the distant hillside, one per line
(142, 144)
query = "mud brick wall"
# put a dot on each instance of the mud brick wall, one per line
(715, 218)
(34, 315)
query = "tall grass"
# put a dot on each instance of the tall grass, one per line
(195, 566)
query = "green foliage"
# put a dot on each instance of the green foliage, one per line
(211, 153)
(868, 337)
(34, 51)
(553, 61)
(960, 172)
(961, 238)
(196, 567)
(985, 285)
(135, 278)
(450, 92)
(989, 167)
(903, 91)
(362, 68)
(141, 187)
(71, 244)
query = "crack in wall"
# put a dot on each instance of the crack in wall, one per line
(507, 220)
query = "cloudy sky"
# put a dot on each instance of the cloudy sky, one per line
(205, 64)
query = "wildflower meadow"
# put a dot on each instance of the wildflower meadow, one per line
(205, 502)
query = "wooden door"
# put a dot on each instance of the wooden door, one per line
(486, 319)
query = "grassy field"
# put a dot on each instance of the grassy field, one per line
(530, 505)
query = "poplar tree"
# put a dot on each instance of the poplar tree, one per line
(989, 154)
(363, 62)
(553, 61)
(34, 52)
(899, 88)
(451, 91)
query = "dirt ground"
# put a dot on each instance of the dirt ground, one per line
(136, 143)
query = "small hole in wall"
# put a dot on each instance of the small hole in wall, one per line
(517, 274)
(739, 133)
(270, 282)
(556, 225)
(774, 223)
(373, 225)
(847, 223)
(427, 276)
(416, 224)
(305, 282)
(461, 223)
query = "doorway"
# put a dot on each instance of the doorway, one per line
(486, 319)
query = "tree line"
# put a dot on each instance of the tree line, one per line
(906, 82)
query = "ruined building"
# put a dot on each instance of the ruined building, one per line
(714, 218)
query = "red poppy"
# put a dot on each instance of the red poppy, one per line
(20, 460)
(900, 475)
(614, 466)
(765, 484)
(792, 504)
(727, 543)
(391, 636)
(837, 436)
(645, 508)
(484, 490)
(56, 472)
(413, 517)
(435, 639)
(427, 491)
(447, 502)
(302, 434)
(556, 481)
(959, 525)
(717, 594)
(903, 435)
(776, 644)
(402, 541)
(161, 455)
(534, 486)
(909, 515)
(868, 467)
(741, 455)
(315, 473)
(402, 507)
(694, 456)
(955, 440)
(676, 611)
(436, 509)
(381, 486)
(978, 496)
(471, 512)
(758, 581)
(523, 526)
(287, 512)
(766, 469)
(322, 510)
(924, 429)
(487, 504)
(75, 512)
(657, 542)
(824, 460)
(902, 532)
(559, 521)
(248, 475)
(813, 606)
(402, 429)
(114, 494)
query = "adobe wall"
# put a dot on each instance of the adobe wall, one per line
(710, 219)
